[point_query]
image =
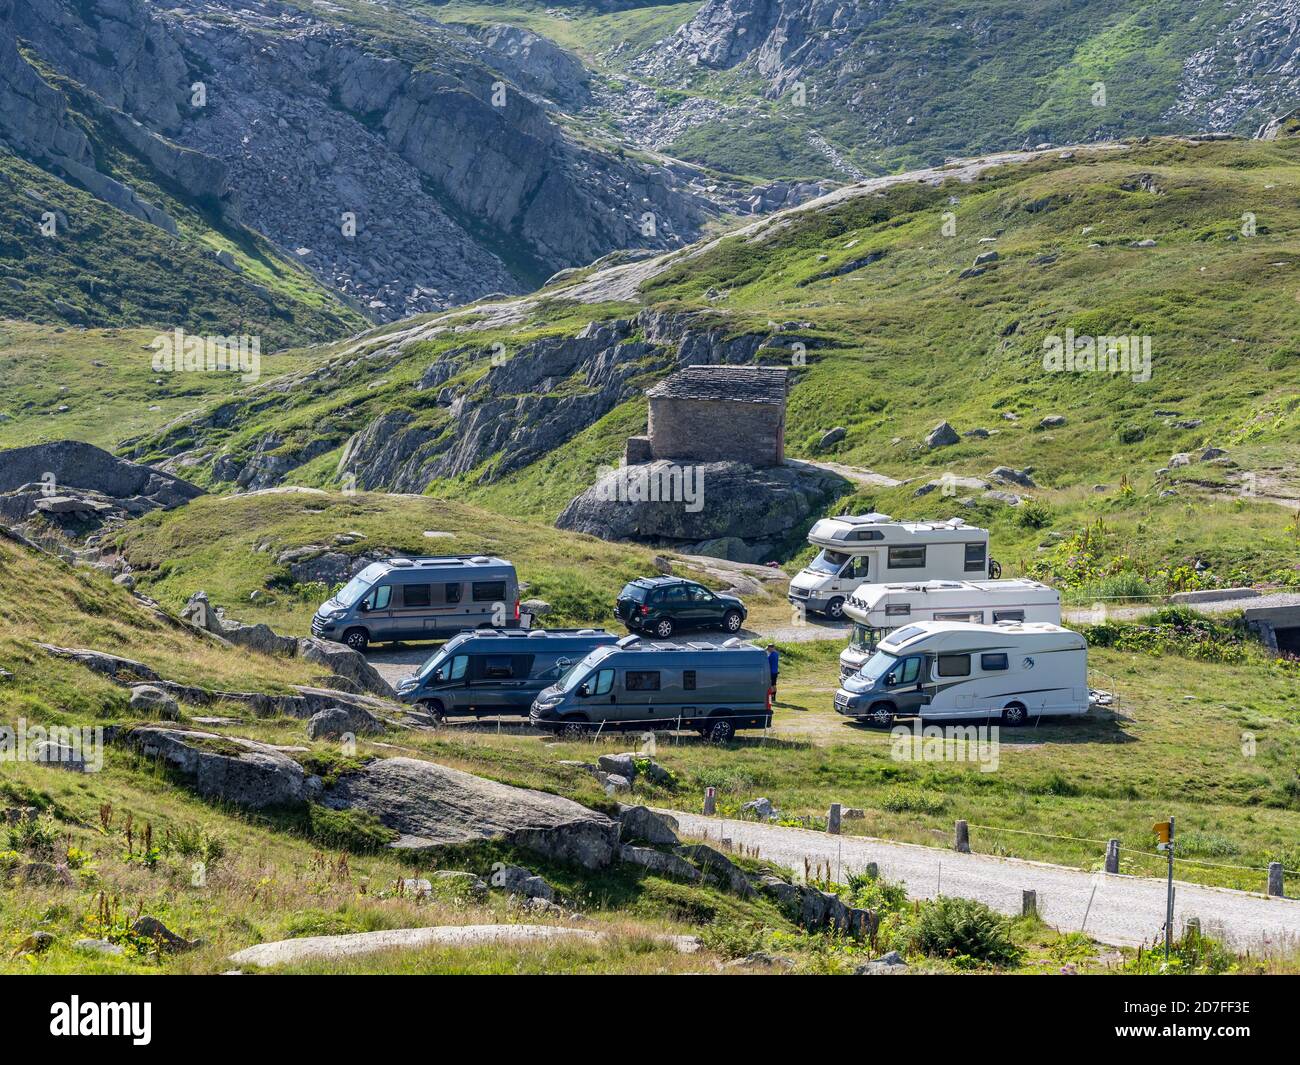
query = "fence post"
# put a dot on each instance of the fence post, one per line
(833, 819)
(962, 840)
(1192, 927)
(873, 871)
(1029, 902)
(1275, 879)
(710, 801)
(1112, 856)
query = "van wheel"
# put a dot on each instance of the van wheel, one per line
(732, 621)
(835, 608)
(881, 715)
(719, 731)
(1014, 715)
(357, 639)
(435, 709)
(664, 628)
(572, 729)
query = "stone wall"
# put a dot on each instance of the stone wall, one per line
(717, 431)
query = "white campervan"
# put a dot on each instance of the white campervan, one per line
(878, 609)
(873, 549)
(953, 669)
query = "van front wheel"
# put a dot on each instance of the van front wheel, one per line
(1014, 715)
(572, 730)
(881, 715)
(719, 731)
(835, 608)
(357, 639)
(435, 710)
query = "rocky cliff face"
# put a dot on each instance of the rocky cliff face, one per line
(409, 172)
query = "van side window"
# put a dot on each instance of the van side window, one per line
(452, 592)
(380, 598)
(455, 669)
(641, 680)
(976, 557)
(688, 679)
(907, 558)
(1008, 615)
(954, 665)
(993, 662)
(489, 591)
(601, 683)
(415, 595)
(907, 671)
(857, 568)
(503, 667)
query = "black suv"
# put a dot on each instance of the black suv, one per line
(662, 605)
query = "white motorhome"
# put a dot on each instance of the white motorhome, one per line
(873, 549)
(878, 609)
(953, 669)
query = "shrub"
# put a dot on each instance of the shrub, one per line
(950, 928)
(1033, 514)
(352, 830)
(908, 799)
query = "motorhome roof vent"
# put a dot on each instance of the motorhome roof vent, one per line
(586, 632)
(400, 562)
(733, 642)
(629, 641)
(874, 518)
(480, 560)
(956, 523)
(536, 632)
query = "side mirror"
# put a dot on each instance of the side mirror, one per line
(363, 607)
(891, 678)
(439, 675)
(583, 690)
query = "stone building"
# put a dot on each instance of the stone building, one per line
(715, 414)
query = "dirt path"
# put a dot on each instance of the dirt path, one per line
(1125, 910)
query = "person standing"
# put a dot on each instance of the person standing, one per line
(773, 665)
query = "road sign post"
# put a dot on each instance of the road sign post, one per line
(1165, 835)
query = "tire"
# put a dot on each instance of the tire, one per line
(719, 730)
(663, 628)
(1014, 715)
(881, 715)
(732, 621)
(995, 569)
(835, 608)
(357, 639)
(435, 709)
(571, 730)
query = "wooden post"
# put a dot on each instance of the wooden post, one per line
(1112, 856)
(1192, 928)
(710, 801)
(833, 819)
(962, 840)
(1029, 902)
(1275, 879)
(873, 871)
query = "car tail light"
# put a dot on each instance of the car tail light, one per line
(516, 609)
(645, 610)
(769, 700)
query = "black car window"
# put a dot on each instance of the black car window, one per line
(416, 595)
(641, 680)
(675, 596)
(489, 591)
(701, 594)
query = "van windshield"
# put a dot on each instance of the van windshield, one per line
(435, 660)
(578, 672)
(351, 593)
(877, 666)
(863, 637)
(828, 561)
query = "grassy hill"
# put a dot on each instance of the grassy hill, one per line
(1150, 241)
(104, 267)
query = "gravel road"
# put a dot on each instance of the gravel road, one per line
(1126, 910)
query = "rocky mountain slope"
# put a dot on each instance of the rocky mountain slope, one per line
(899, 304)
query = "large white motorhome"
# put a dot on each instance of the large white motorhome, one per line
(873, 549)
(878, 609)
(953, 669)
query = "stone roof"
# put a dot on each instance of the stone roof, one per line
(738, 384)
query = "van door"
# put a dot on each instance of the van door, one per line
(376, 609)
(443, 615)
(596, 695)
(498, 683)
(906, 684)
(409, 614)
(856, 571)
(642, 702)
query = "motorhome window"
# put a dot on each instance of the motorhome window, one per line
(452, 592)
(688, 679)
(857, 568)
(993, 662)
(416, 595)
(866, 534)
(1008, 615)
(351, 592)
(380, 598)
(641, 680)
(976, 557)
(895, 609)
(504, 667)
(828, 561)
(954, 665)
(489, 591)
(907, 558)
(957, 615)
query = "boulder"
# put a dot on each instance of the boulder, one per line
(336, 721)
(622, 764)
(59, 755)
(236, 770)
(164, 937)
(831, 437)
(516, 880)
(661, 863)
(890, 964)
(942, 435)
(539, 608)
(614, 781)
(344, 662)
(718, 867)
(98, 946)
(1052, 421)
(150, 699)
(1020, 477)
(642, 824)
(432, 806)
(459, 884)
(46, 874)
(1182, 458)
(762, 809)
